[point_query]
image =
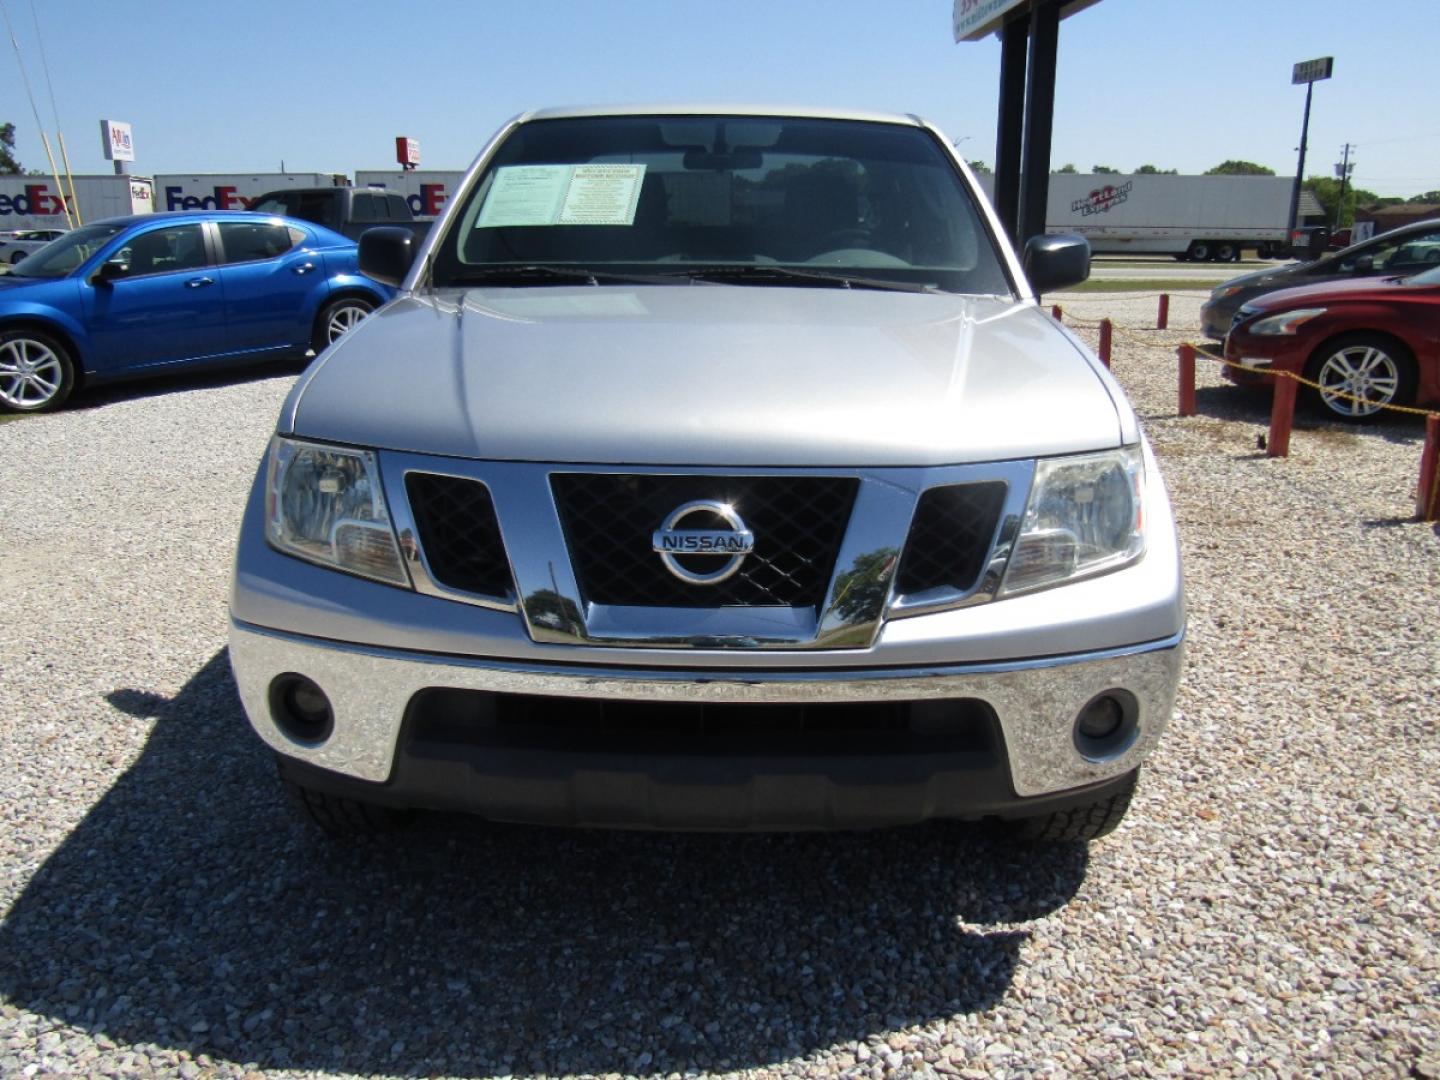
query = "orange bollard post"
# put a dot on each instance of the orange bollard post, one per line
(1105, 331)
(1058, 314)
(1282, 417)
(1186, 353)
(1427, 496)
(1162, 320)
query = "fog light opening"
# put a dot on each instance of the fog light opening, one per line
(301, 709)
(1107, 726)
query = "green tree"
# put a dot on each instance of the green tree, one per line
(1068, 167)
(1425, 197)
(8, 165)
(1108, 170)
(1151, 170)
(979, 166)
(1326, 190)
(1234, 167)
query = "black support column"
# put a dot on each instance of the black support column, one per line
(1039, 119)
(1009, 133)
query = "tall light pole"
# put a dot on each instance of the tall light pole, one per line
(1308, 72)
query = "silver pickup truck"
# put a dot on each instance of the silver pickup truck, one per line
(715, 469)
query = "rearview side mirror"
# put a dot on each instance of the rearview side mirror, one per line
(108, 272)
(1364, 264)
(387, 253)
(1056, 261)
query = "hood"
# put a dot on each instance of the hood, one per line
(1361, 288)
(1259, 279)
(708, 374)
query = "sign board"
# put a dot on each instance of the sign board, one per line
(975, 19)
(407, 151)
(116, 137)
(1309, 71)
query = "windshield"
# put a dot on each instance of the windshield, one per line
(66, 253)
(314, 206)
(754, 198)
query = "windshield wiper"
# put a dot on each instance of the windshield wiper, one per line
(539, 274)
(787, 275)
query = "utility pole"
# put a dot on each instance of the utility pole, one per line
(1308, 72)
(1343, 170)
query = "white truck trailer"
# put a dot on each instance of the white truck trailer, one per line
(426, 190)
(34, 202)
(1191, 217)
(230, 191)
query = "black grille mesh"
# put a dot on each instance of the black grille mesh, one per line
(950, 537)
(459, 533)
(798, 522)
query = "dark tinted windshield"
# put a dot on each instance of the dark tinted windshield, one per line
(673, 195)
(61, 256)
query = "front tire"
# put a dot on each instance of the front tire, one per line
(1376, 370)
(36, 371)
(1079, 824)
(338, 318)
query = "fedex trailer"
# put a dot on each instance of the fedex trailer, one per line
(35, 202)
(1191, 217)
(426, 191)
(231, 191)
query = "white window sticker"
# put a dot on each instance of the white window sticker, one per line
(528, 195)
(524, 195)
(602, 195)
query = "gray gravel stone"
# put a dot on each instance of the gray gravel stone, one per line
(1268, 908)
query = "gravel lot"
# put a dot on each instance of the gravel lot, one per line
(1269, 907)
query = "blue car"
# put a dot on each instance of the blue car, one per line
(150, 294)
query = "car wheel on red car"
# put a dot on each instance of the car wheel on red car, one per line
(1360, 374)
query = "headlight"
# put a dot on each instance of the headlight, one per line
(1285, 323)
(1225, 290)
(325, 504)
(1085, 516)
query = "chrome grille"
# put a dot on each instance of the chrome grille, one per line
(459, 533)
(609, 519)
(950, 538)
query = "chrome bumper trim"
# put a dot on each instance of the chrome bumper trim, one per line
(1036, 700)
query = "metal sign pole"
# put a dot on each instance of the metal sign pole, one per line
(1300, 168)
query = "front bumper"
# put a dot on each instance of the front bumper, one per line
(1252, 358)
(1216, 317)
(414, 728)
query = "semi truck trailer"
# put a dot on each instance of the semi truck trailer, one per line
(1200, 218)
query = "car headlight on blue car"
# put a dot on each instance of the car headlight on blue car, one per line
(1085, 516)
(1287, 322)
(326, 504)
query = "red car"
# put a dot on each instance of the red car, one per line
(1368, 342)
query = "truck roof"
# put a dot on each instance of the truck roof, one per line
(694, 109)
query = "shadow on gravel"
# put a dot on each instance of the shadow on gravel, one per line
(190, 911)
(183, 381)
(1252, 405)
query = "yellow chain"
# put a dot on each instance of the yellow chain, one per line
(1205, 351)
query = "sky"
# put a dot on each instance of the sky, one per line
(324, 86)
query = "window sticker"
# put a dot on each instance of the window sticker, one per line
(529, 195)
(524, 195)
